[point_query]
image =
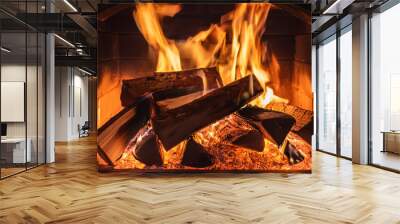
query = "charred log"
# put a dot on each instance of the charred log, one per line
(115, 135)
(303, 117)
(231, 130)
(253, 140)
(294, 156)
(168, 84)
(103, 156)
(196, 156)
(177, 124)
(306, 132)
(274, 125)
(175, 102)
(146, 148)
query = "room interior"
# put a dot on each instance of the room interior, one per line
(22, 102)
(206, 112)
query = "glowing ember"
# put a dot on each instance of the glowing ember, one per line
(236, 48)
(230, 157)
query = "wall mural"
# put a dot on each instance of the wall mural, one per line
(204, 87)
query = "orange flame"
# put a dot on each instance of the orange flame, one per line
(236, 48)
(248, 27)
(148, 17)
(202, 49)
(245, 54)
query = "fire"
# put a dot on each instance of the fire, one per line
(234, 45)
(148, 17)
(231, 158)
(247, 50)
(268, 97)
(236, 48)
(201, 50)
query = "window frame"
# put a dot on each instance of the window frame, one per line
(334, 37)
(378, 10)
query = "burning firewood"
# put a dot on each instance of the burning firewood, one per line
(302, 116)
(196, 156)
(146, 148)
(170, 84)
(294, 156)
(304, 119)
(274, 125)
(114, 136)
(177, 124)
(231, 130)
(306, 132)
(252, 140)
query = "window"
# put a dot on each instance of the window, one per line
(22, 77)
(385, 89)
(327, 96)
(346, 93)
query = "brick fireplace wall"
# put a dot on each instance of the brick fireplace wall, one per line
(126, 55)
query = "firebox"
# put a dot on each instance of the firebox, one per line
(204, 87)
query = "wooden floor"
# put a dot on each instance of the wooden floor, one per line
(5, 172)
(72, 191)
(386, 159)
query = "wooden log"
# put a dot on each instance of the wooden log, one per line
(302, 116)
(171, 103)
(114, 136)
(175, 125)
(306, 132)
(168, 84)
(274, 125)
(196, 156)
(294, 156)
(146, 148)
(231, 130)
(253, 140)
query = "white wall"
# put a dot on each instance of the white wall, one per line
(71, 102)
(62, 81)
(50, 94)
(10, 73)
(16, 73)
(80, 110)
(360, 90)
(33, 127)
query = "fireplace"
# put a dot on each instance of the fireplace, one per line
(204, 87)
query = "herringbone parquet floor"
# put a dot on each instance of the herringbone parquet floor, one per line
(72, 191)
